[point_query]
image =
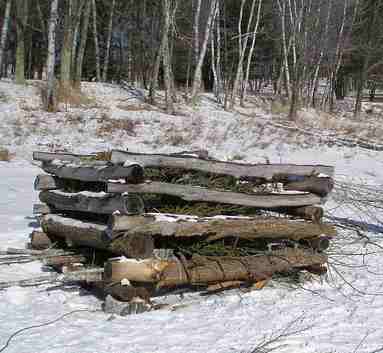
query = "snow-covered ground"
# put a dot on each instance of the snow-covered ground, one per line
(342, 312)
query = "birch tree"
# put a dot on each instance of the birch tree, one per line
(96, 45)
(108, 42)
(198, 70)
(50, 98)
(4, 33)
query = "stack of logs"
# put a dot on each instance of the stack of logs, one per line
(182, 220)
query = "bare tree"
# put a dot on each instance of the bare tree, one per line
(4, 33)
(21, 22)
(50, 99)
(81, 49)
(108, 42)
(198, 70)
(96, 45)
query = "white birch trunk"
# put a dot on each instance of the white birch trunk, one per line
(196, 47)
(251, 51)
(96, 46)
(198, 71)
(4, 33)
(108, 43)
(50, 99)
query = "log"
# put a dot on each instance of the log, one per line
(48, 157)
(238, 170)
(193, 193)
(312, 213)
(95, 171)
(315, 185)
(95, 236)
(209, 270)
(47, 182)
(217, 228)
(40, 240)
(97, 203)
(61, 260)
(41, 208)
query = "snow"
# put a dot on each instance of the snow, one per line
(341, 312)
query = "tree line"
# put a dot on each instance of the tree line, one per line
(312, 52)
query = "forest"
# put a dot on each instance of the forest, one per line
(311, 52)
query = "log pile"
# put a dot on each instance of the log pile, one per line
(181, 220)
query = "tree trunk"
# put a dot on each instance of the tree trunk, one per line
(66, 50)
(198, 70)
(51, 101)
(4, 33)
(108, 43)
(22, 19)
(96, 45)
(81, 49)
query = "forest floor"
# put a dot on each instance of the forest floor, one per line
(341, 312)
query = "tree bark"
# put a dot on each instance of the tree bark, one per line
(198, 70)
(108, 43)
(209, 270)
(96, 45)
(81, 49)
(21, 22)
(40, 240)
(51, 101)
(4, 33)
(214, 229)
(79, 233)
(266, 171)
(95, 203)
(192, 193)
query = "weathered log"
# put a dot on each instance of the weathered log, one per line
(217, 228)
(95, 171)
(97, 203)
(209, 270)
(95, 236)
(61, 260)
(41, 208)
(89, 275)
(40, 240)
(238, 170)
(312, 213)
(48, 157)
(315, 185)
(192, 193)
(47, 182)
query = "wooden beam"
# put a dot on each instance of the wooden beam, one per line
(193, 193)
(95, 171)
(217, 228)
(97, 203)
(239, 170)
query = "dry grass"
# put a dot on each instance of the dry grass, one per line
(5, 155)
(109, 126)
(278, 107)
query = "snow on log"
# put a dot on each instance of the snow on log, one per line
(98, 203)
(239, 170)
(217, 228)
(41, 208)
(209, 270)
(95, 171)
(47, 182)
(93, 235)
(193, 193)
(70, 157)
